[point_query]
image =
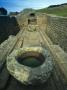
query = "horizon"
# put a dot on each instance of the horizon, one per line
(19, 5)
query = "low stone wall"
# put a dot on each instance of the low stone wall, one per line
(8, 26)
(57, 30)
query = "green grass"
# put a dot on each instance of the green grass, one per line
(60, 11)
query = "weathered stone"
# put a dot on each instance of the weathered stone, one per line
(26, 74)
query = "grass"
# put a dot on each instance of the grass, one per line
(60, 11)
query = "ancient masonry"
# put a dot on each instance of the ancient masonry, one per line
(33, 32)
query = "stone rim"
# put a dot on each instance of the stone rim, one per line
(28, 75)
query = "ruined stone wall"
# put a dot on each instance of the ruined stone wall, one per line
(57, 30)
(54, 26)
(22, 20)
(42, 21)
(8, 26)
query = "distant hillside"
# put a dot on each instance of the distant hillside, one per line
(13, 13)
(60, 10)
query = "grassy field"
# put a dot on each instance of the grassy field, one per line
(59, 10)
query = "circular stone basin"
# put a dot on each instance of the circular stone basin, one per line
(31, 59)
(30, 65)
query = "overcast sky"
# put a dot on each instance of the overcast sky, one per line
(18, 5)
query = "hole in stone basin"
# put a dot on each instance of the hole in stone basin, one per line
(31, 59)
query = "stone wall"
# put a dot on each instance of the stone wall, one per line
(8, 26)
(42, 21)
(57, 30)
(22, 20)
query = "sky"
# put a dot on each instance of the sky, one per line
(18, 5)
